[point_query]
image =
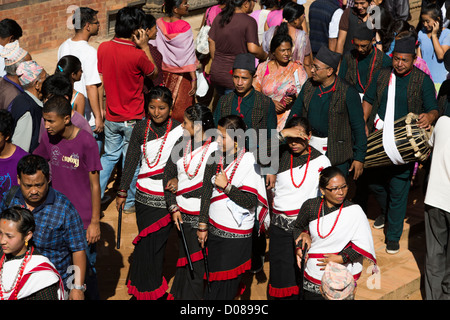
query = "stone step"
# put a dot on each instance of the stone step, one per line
(399, 276)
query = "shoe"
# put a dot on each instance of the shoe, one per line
(392, 247)
(379, 222)
(129, 210)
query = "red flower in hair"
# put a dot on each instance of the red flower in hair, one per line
(320, 169)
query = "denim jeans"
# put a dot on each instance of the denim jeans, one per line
(117, 138)
(99, 138)
(92, 291)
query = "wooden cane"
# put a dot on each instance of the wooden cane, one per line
(119, 228)
(186, 249)
(205, 259)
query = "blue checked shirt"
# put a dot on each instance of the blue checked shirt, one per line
(59, 229)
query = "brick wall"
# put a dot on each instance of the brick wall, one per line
(44, 22)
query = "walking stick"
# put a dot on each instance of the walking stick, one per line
(119, 227)
(302, 273)
(205, 259)
(186, 249)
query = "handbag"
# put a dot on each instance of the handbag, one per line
(201, 42)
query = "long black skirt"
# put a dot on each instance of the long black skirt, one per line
(228, 259)
(284, 272)
(146, 281)
(187, 284)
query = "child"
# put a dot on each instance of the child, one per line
(70, 67)
(10, 154)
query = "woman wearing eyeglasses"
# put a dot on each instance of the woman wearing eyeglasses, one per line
(332, 229)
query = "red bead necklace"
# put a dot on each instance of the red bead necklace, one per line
(370, 74)
(19, 274)
(333, 88)
(155, 161)
(306, 169)
(234, 164)
(204, 147)
(335, 222)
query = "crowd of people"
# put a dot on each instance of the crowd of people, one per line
(275, 111)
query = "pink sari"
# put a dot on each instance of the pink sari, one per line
(284, 82)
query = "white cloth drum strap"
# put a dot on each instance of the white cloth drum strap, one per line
(388, 128)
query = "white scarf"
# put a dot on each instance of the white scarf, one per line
(39, 273)
(192, 205)
(352, 229)
(289, 199)
(321, 144)
(152, 186)
(388, 127)
(226, 215)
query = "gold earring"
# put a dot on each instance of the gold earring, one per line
(26, 243)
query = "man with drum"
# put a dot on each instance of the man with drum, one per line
(333, 108)
(360, 66)
(397, 91)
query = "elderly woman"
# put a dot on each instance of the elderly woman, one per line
(280, 78)
(334, 229)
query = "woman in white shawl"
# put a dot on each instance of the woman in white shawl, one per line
(24, 273)
(187, 166)
(334, 229)
(234, 196)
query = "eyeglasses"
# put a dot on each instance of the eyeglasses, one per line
(336, 189)
(317, 68)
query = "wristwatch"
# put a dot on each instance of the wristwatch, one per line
(82, 288)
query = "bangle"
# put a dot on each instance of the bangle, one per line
(122, 193)
(281, 137)
(194, 80)
(227, 189)
(173, 208)
(202, 230)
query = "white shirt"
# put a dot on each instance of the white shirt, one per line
(333, 29)
(90, 76)
(439, 181)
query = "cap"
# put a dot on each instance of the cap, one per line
(329, 57)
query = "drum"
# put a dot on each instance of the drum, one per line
(411, 141)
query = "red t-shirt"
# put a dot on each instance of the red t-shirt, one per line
(123, 67)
